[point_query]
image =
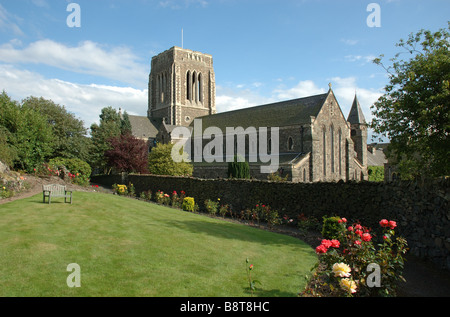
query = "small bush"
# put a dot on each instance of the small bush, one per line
(188, 204)
(332, 228)
(211, 206)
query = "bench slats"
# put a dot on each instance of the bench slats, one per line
(55, 190)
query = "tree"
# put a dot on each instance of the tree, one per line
(70, 140)
(160, 162)
(29, 133)
(128, 154)
(111, 125)
(414, 111)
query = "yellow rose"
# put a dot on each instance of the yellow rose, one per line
(341, 270)
(348, 285)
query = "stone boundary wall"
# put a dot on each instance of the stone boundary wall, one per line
(421, 211)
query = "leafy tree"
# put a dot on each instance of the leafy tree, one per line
(414, 111)
(376, 173)
(128, 154)
(160, 162)
(69, 132)
(29, 133)
(8, 153)
(109, 127)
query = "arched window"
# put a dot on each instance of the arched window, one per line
(188, 85)
(200, 87)
(290, 144)
(332, 147)
(324, 145)
(194, 86)
(340, 151)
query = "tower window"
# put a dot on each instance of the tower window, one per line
(194, 87)
(332, 148)
(200, 87)
(188, 85)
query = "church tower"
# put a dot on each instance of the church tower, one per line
(181, 86)
(358, 132)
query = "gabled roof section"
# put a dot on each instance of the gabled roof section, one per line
(356, 115)
(142, 127)
(279, 114)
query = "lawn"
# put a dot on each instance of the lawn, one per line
(127, 247)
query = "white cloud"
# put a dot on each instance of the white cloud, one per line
(302, 89)
(359, 58)
(349, 41)
(117, 63)
(85, 101)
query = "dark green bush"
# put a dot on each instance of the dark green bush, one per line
(332, 227)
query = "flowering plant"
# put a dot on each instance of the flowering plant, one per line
(345, 263)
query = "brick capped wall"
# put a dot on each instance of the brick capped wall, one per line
(422, 212)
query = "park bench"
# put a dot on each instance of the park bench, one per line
(55, 190)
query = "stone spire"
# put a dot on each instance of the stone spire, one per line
(356, 115)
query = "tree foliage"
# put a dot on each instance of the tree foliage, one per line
(111, 126)
(238, 168)
(69, 133)
(128, 154)
(414, 111)
(29, 134)
(160, 162)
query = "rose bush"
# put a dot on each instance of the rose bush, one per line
(343, 267)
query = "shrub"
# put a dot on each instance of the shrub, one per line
(238, 169)
(333, 227)
(177, 200)
(147, 195)
(224, 210)
(355, 264)
(120, 189)
(79, 171)
(211, 206)
(188, 204)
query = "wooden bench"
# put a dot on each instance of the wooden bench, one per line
(55, 190)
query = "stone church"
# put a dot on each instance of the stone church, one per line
(316, 141)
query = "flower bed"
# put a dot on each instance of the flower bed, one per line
(357, 261)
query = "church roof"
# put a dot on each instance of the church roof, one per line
(279, 114)
(356, 115)
(142, 127)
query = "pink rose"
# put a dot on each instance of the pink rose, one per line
(392, 224)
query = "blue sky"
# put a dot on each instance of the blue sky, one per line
(263, 51)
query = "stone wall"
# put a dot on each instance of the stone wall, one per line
(421, 211)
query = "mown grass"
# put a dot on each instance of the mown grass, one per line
(127, 247)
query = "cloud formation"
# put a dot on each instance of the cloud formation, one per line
(117, 63)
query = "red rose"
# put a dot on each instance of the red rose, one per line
(326, 243)
(366, 237)
(350, 228)
(321, 249)
(357, 242)
(335, 243)
(384, 223)
(344, 220)
(392, 224)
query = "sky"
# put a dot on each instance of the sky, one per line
(263, 50)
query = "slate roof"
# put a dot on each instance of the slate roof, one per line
(143, 127)
(356, 115)
(279, 114)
